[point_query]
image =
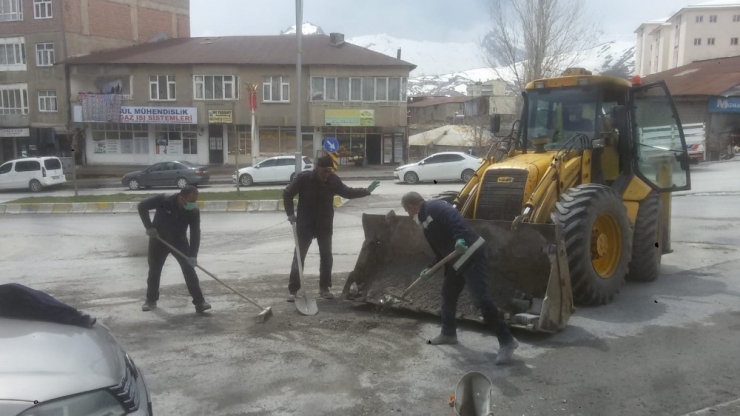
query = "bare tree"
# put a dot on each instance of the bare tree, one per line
(537, 38)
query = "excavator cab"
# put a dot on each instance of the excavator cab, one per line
(578, 203)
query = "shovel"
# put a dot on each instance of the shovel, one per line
(473, 395)
(261, 317)
(304, 303)
(391, 298)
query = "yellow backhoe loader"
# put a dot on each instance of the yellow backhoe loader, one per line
(573, 202)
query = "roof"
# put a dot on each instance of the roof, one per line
(450, 135)
(657, 22)
(711, 4)
(430, 101)
(241, 50)
(710, 77)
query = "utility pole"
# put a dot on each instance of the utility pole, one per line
(252, 88)
(298, 135)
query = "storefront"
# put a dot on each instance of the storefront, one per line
(146, 135)
(361, 142)
(724, 127)
(15, 143)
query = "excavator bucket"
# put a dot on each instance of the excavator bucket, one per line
(527, 271)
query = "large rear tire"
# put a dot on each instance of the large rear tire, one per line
(646, 247)
(598, 241)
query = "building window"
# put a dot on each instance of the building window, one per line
(216, 87)
(699, 19)
(276, 89)
(44, 54)
(733, 41)
(13, 99)
(42, 9)
(47, 101)
(381, 89)
(713, 18)
(12, 54)
(176, 139)
(317, 89)
(710, 41)
(697, 41)
(120, 138)
(736, 18)
(11, 10)
(162, 87)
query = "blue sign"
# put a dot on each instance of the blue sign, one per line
(724, 105)
(331, 144)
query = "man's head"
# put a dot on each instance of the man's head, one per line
(324, 167)
(188, 197)
(411, 203)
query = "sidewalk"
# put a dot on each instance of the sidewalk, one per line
(96, 176)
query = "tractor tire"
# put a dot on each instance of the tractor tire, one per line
(646, 246)
(598, 241)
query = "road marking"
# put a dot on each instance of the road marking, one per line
(710, 409)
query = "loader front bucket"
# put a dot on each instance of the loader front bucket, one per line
(527, 271)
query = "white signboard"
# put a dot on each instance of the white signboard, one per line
(14, 132)
(151, 115)
(159, 115)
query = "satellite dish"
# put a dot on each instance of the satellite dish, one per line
(158, 37)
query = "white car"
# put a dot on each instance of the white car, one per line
(447, 166)
(33, 173)
(273, 170)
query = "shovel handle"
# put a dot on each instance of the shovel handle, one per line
(181, 254)
(298, 256)
(434, 269)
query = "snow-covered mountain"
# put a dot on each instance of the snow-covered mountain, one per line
(446, 68)
(308, 28)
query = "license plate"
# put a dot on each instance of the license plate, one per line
(55, 177)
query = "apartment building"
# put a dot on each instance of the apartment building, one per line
(35, 35)
(697, 32)
(189, 99)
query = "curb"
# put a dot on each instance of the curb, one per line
(272, 205)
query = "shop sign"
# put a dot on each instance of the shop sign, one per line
(349, 117)
(220, 117)
(724, 105)
(14, 132)
(159, 115)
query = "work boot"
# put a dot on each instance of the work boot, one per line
(442, 339)
(506, 351)
(147, 306)
(291, 297)
(202, 307)
(326, 294)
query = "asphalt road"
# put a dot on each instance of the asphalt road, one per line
(665, 348)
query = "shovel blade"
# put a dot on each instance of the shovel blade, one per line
(306, 305)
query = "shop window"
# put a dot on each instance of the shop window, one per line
(44, 54)
(110, 138)
(176, 139)
(276, 89)
(216, 87)
(42, 9)
(13, 99)
(12, 54)
(190, 143)
(277, 141)
(162, 88)
(11, 10)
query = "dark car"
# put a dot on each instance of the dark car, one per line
(176, 173)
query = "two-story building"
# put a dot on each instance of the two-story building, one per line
(188, 99)
(707, 30)
(35, 34)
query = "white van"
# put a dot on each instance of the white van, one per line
(33, 173)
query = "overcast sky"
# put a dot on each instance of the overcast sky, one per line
(432, 20)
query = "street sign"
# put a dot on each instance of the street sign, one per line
(331, 144)
(335, 161)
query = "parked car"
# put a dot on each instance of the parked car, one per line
(275, 169)
(56, 369)
(178, 173)
(696, 152)
(447, 166)
(34, 173)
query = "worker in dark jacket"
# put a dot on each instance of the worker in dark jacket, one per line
(445, 229)
(175, 214)
(316, 190)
